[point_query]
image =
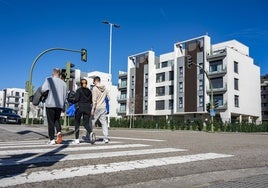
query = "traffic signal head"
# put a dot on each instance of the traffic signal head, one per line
(208, 107)
(189, 61)
(84, 55)
(216, 104)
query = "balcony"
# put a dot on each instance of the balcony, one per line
(218, 90)
(122, 86)
(13, 96)
(121, 98)
(218, 73)
(218, 54)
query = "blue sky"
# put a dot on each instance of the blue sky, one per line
(28, 27)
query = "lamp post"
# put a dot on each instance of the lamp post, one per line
(110, 50)
(110, 57)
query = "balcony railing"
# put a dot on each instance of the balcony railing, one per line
(218, 89)
(217, 54)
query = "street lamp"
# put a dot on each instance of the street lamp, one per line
(110, 51)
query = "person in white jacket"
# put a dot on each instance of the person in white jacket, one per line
(98, 112)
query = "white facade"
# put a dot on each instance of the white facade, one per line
(165, 86)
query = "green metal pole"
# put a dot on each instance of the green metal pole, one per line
(211, 95)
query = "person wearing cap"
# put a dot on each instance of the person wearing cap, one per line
(55, 104)
(83, 103)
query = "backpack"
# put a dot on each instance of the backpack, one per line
(71, 97)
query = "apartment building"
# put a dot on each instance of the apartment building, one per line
(14, 98)
(166, 86)
(264, 98)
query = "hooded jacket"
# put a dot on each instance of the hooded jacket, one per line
(99, 92)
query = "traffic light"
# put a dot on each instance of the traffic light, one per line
(189, 61)
(208, 107)
(216, 104)
(70, 73)
(84, 55)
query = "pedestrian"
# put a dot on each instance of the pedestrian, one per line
(83, 104)
(55, 104)
(98, 112)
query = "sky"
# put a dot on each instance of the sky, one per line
(29, 27)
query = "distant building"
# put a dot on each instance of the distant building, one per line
(264, 97)
(165, 86)
(14, 98)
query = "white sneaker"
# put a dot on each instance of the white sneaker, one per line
(51, 142)
(76, 141)
(106, 140)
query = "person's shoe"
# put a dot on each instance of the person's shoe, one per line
(106, 140)
(51, 142)
(85, 138)
(59, 138)
(92, 138)
(76, 141)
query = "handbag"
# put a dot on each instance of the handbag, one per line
(71, 110)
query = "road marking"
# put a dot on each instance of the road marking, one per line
(139, 139)
(63, 157)
(33, 144)
(66, 148)
(40, 176)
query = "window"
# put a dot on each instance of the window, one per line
(201, 101)
(215, 66)
(236, 84)
(160, 105)
(181, 71)
(180, 87)
(201, 70)
(146, 91)
(171, 75)
(170, 104)
(236, 101)
(201, 85)
(146, 78)
(235, 67)
(164, 64)
(146, 105)
(160, 91)
(171, 90)
(160, 77)
(217, 83)
(180, 102)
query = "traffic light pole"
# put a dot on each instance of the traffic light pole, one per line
(211, 95)
(29, 86)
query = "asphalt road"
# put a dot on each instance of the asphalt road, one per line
(133, 158)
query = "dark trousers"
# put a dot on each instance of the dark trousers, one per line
(83, 111)
(53, 120)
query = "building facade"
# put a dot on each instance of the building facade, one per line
(264, 98)
(167, 86)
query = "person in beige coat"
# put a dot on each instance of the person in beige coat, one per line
(98, 112)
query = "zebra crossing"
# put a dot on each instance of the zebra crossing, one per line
(13, 154)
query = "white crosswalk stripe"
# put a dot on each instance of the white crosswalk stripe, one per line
(23, 154)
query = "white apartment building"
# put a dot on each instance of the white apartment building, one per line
(165, 86)
(14, 98)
